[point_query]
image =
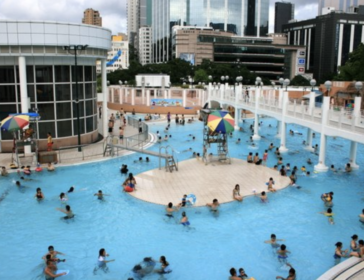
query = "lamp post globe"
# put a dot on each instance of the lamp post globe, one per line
(281, 80)
(312, 83)
(120, 82)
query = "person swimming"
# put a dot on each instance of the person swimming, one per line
(214, 205)
(329, 214)
(67, 211)
(170, 209)
(39, 195)
(100, 195)
(184, 221)
(282, 253)
(63, 197)
(327, 199)
(273, 241)
(339, 253)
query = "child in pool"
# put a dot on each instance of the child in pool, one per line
(282, 253)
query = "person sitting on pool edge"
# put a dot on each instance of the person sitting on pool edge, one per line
(236, 193)
(183, 201)
(130, 183)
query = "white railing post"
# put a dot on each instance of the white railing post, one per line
(283, 147)
(256, 116)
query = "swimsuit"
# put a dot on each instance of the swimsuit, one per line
(186, 223)
(337, 257)
(282, 257)
(169, 215)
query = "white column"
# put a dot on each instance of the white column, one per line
(324, 115)
(279, 128)
(362, 33)
(299, 38)
(339, 55)
(305, 42)
(280, 98)
(352, 34)
(222, 89)
(143, 94)
(295, 37)
(236, 118)
(309, 140)
(165, 94)
(169, 93)
(148, 97)
(121, 95)
(283, 147)
(308, 49)
(288, 38)
(258, 18)
(133, 96)
(24, 92)
(105, 97)
(353, 152)
(256, 116)
(357, 106)
(184, 98)
(112, 94)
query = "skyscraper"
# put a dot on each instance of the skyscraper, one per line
(139, 14)
(241, 17)
(92, 17)
(284, 12)
(342, 5)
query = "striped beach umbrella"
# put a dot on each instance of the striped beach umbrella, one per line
(221, 122)
(14, 123)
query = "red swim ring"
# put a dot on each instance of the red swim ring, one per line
(39, 169)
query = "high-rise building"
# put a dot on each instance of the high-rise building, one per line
(145, 45)
(328, 39)
(240, 17)
(341, 5)
(139, 14)
(92, 17)
(284, 12)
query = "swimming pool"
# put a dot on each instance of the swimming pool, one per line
(130, 229)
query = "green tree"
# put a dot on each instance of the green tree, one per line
(299, 80)
(353, 68)
(201, 76)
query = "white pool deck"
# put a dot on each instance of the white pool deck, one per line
(206, 182)
(215, 180)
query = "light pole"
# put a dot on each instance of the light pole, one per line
(286, 83)
(328, 85)
(281, 80)
(358, 86)
(312, 83)
(258, 81)
(74, 49)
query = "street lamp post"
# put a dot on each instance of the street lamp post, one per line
(358, 86)
(328, 85)
(74, 49)
(286, 83)
(312, 83)
(281, 80)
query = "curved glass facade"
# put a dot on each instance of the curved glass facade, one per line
(51, 89)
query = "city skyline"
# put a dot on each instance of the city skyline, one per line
(113, 12)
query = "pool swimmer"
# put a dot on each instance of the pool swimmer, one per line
(39, 195)
(67, 211)
(170, 209)
(339, 253)
(71, 189)
(51, 270)
(100, 195)
(291, 274)
(214, 205)
(165, 268)
(101, 261)
(282, 253)
(63, 197)
(184, 221)
(329, 214)
(52, 254)
(273, 241)
(361, 216)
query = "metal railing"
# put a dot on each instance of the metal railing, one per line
(71, 153)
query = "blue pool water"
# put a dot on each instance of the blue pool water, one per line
(130, 229)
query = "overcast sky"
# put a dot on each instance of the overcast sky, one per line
(113, 12)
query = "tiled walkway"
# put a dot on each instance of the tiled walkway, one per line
(205, 181)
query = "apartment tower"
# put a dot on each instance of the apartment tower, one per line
(92, 17)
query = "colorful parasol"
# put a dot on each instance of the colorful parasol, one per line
(220, 121)
(14, 123)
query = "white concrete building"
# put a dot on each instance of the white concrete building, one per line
(145, 45)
